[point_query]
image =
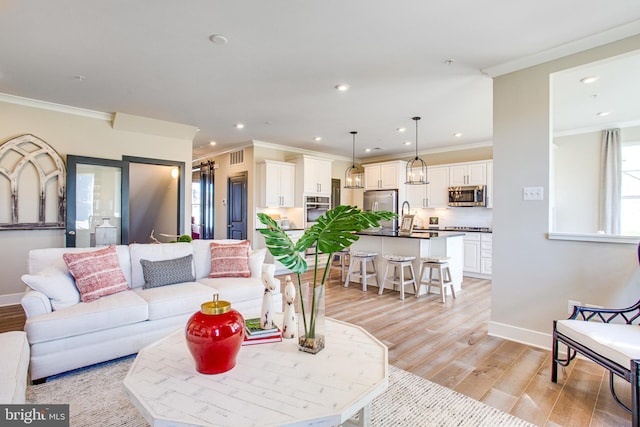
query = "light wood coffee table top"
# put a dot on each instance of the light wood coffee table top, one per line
(272, 384)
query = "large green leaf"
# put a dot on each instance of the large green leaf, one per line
(333, 232)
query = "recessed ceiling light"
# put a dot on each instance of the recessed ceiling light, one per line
(407, 143)
(239, 126)
(604, 113)
(212, 143)
(449, 61)
(589, 80)
(219, 39)
(342, 87)
(317, 138)
(457, 134)
(367, 150)
(401, 129)
(79, 77)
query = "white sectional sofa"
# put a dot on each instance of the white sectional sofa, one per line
(14, 364)
(66, 334)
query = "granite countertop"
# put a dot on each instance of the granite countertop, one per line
(458, 229)
(417, 234)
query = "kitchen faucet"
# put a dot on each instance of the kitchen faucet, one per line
(408, 208)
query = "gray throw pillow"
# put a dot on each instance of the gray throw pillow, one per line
(167, 272)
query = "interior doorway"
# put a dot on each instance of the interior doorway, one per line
(237, 206)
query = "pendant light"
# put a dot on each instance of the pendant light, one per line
(416, 168)
(353, 177)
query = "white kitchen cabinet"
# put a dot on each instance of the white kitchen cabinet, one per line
(438, 187)
(314, 175)
(473, 173)
(384, 176)
(486, 253)
(471, 253)
(277, 184)
(433, 195)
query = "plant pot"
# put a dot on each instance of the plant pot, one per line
(214, 336)
(311, 313)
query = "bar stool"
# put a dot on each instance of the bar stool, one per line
(361, 258)
(339, 262)
(399, 262)
(444, 275)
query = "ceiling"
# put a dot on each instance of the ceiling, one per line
(277, 73)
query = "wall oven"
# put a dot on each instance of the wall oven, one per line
(314, 207)
(468, 195)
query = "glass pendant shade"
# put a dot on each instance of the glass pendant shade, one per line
(353, 176)
(416, 168)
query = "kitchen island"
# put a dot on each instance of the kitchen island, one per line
(420, 244)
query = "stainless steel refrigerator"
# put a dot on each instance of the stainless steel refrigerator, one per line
(382, 200)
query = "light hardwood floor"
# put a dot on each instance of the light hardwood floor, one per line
(448, 344)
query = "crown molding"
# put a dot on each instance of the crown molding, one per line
(589, 42)
(51, 106)
(437, 150)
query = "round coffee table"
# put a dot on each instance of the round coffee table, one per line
(272, 384)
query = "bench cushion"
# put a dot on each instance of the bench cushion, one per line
(619, 343)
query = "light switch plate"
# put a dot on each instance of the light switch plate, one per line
(533, 193)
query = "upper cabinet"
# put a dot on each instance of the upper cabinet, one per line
(474, 173)
(384, 176)
(277, 184)
(314, 175)
(433, 195)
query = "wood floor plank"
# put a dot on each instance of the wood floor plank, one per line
(577, 399)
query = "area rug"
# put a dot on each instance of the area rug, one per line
(96, 398)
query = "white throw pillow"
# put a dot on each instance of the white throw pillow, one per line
(57, 283)
(256, 259)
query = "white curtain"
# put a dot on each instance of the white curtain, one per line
(610, 181)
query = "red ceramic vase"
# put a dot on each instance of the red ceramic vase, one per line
(214, 336)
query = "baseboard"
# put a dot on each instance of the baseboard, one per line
(10, 299)
(521, 335)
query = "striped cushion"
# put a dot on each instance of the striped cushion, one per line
(97, 273)
(230, 259)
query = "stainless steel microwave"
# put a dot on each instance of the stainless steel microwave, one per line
(468, 195)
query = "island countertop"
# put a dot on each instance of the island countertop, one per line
(422, 234)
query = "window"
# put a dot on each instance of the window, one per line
(630, 189)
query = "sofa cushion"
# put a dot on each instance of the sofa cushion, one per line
(202, 257)
(235, 289)
(230, 259)
(154, 252)
(39, 259)
(57, 283)
(167, 272)
(97, 273)
(617, 342)
(172, 300)
(104, 313)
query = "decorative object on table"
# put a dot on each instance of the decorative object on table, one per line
(334, 231)
(266, 315)
(254, 334)
(406, 226)
(289, 318)
(214, 336)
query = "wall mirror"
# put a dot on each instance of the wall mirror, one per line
(595, 151)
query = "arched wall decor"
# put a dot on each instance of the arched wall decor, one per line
(32, 170)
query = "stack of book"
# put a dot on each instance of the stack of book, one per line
(254, 334)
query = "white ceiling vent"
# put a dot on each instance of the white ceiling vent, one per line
(236, 157)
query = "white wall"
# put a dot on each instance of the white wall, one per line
(533, 277)
(88, 135)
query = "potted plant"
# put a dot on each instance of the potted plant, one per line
(333, 232)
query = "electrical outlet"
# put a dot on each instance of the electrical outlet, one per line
(533, 193)
(570, 304)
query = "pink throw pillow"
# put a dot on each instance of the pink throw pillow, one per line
(230, 259)
(97, 273)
